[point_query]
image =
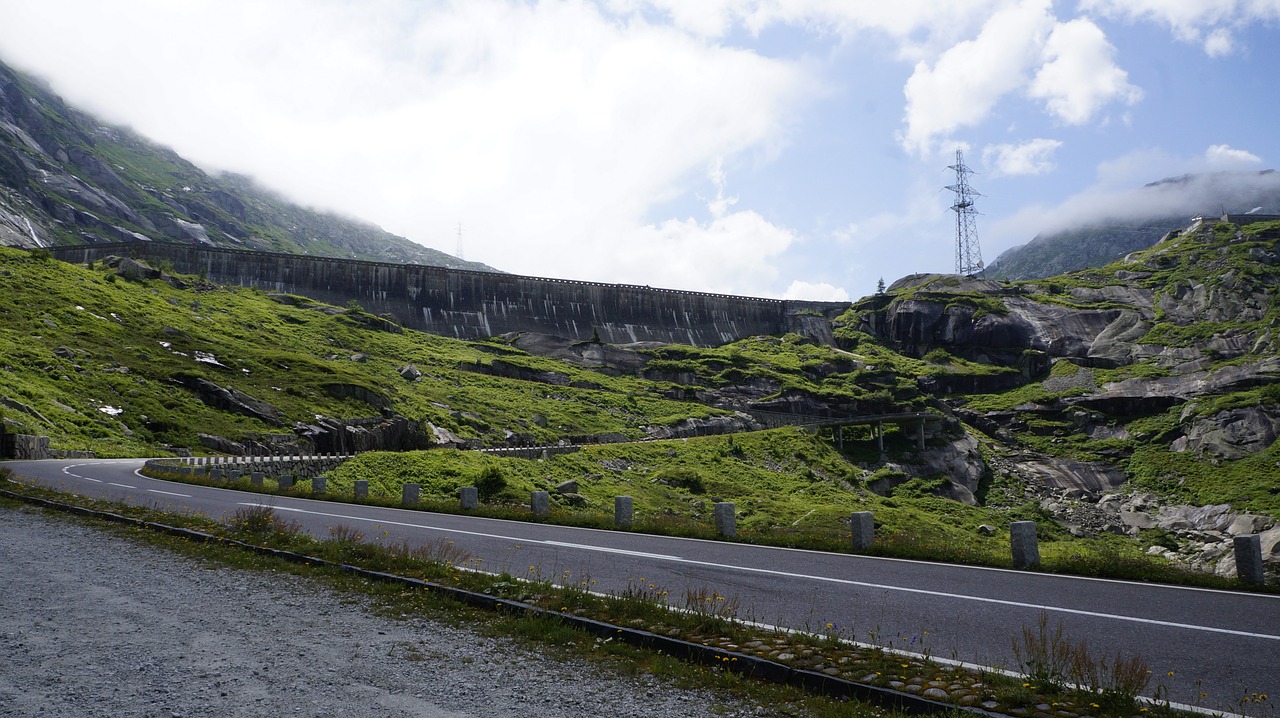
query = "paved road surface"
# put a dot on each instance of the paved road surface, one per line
(1222, 643)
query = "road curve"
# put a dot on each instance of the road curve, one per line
(1224, 644)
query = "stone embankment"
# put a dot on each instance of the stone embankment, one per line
(26, 447)
(1198, 537)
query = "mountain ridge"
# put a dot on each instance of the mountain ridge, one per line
(66, 178)
(1141, 217)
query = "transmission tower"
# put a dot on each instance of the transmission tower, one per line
(458, 254)
(968, 253)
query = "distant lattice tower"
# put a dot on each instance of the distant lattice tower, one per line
(968, 253)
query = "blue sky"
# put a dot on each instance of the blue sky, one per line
(766, 147)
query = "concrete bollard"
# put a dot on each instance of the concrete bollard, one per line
(317, 484)
(256, 478)
(362, 489)
(233, 475)
(863, 525)
(1022, 540)
(409, 494)
(216, 474)
(726, 520)
(468, 497)
(286, 482)
(540, 503)
(1249, 568)
(623, 512)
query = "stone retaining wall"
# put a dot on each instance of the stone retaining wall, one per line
(26, 447)
(298, 468)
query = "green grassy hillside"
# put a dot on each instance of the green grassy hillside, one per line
(100, 362)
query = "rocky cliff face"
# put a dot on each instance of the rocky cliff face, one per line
(1161, 370)
(67, 179)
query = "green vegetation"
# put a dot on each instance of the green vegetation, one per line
(101, 363)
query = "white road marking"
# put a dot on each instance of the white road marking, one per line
(605, 549)
(787, 574)
(169, 493)
(123, 486)
(68, 471)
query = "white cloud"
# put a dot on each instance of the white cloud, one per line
(1227, 157)
(1125, 192)
(550, 130)
(1208, 23)
(731, 254)
(1033, 157)
(964, 84)
(919, 28)
(815, 292)
(1219, 42)
(1079, 75)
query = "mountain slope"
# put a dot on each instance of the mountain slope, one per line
(67, 179)
(1093, 403)
(1137, 221)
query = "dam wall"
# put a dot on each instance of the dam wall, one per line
(467, 304)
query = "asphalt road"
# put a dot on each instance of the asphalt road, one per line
(1223, 644)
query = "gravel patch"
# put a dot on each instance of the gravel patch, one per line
(92, 623)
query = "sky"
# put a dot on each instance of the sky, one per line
(779, 148)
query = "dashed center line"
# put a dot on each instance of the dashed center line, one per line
(123, 486)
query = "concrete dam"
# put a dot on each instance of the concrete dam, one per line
(467, 304)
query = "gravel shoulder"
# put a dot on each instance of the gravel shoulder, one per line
(93, 623)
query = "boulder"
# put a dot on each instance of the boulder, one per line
(703, 427)
(444, 437)
(130, 268)
(1232, 434)
(567, 487)
(1248, 524)
(1137, 519)
(230, 399)
(1092, 476)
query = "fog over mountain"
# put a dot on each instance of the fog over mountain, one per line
(1097, 228)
